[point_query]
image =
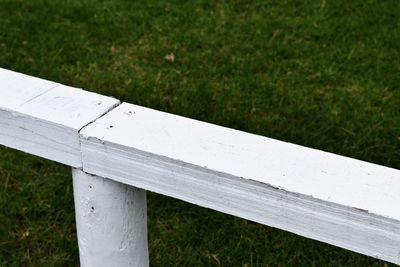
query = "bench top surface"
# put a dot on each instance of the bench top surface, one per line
(50, 101)
(290, 167)
(326, 176)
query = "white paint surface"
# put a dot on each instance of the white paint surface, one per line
(338, 200)
(44, 118)
(111, 221)
(293, 168)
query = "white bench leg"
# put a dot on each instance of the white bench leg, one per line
(111, 221)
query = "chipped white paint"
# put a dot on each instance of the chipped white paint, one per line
(111, 220)
(338, 200)
(44, 118)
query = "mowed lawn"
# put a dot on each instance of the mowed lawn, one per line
(323, 74)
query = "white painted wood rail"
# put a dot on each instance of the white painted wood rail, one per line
(338, 200)
(44, 118)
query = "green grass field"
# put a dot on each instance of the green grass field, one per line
(323, 74)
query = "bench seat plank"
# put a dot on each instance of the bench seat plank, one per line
(339, 200)
(44, 118)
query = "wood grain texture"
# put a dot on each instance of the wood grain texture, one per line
(338, 200)
(44, 118)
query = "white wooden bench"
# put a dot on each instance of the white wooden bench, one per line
(338, 200)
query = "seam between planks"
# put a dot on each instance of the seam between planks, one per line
(87, 124)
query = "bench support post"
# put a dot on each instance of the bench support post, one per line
(111, 221)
